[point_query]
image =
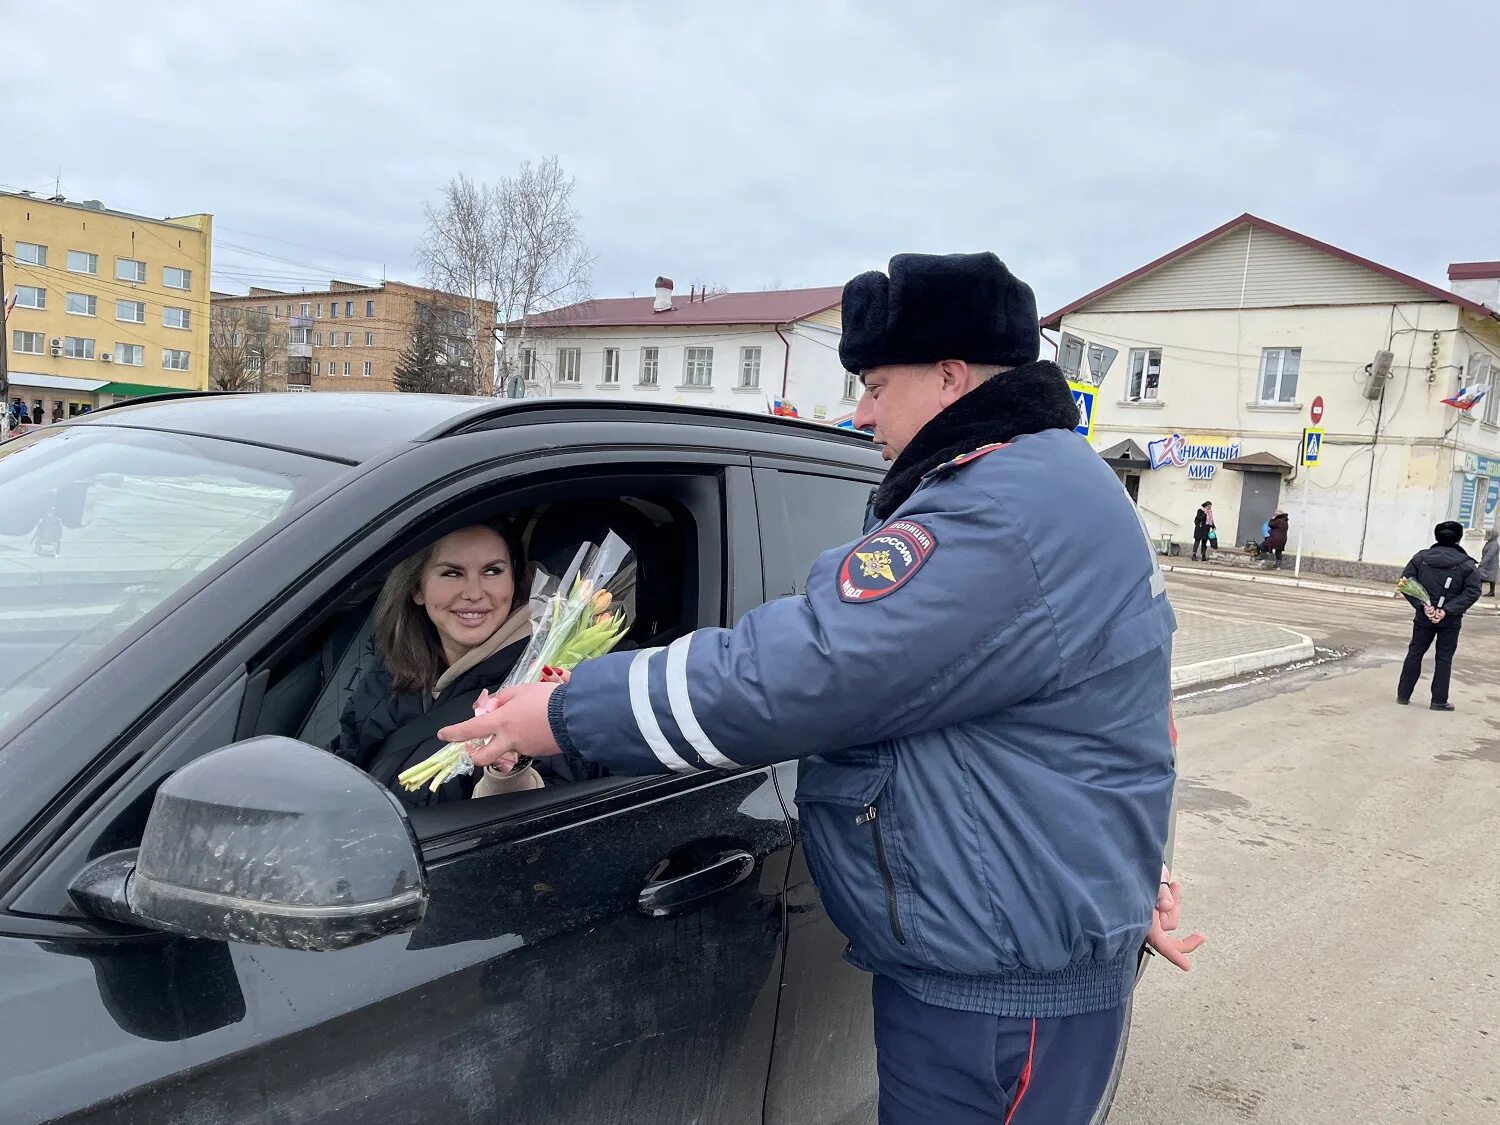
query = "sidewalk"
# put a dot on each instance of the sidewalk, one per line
(1242, 572)
(1209, 647)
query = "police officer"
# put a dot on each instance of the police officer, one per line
(978, 691)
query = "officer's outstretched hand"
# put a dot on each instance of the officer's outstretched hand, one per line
(518, 725)
(1164, 919)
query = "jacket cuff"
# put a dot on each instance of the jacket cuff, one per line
(559, 724)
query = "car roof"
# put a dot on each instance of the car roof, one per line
(353, 426)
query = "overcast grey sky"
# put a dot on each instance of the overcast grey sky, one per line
(787, 143)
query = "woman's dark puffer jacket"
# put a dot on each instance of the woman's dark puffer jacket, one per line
(375, 714)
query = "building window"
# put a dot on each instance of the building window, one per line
(174, 278)
(81, 262)
(75, 347)
(528, 364)
(173, 359)
(131, 312)
(176, 318)
(30, 297)
(749, 368)
(1145, 374)
(333, 310)
(131, 355)
(698, 367)
(81, 304)
(346, 369)
(1481, 373)
(30, 254)
(369, 308)
(317, 339)
(569, 364)
(348, 308)
(1278, 374)
(296, 335)
(333, 339)
(348, 339)
(611, 365)
(129, 269)
(851, 386)
(320, 310)
(369, 339)
(369, 369)
(28, 343)
(278, 317)
(333, 368)
(306, 308)
(650, 366)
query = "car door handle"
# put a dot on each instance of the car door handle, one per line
(664, 897)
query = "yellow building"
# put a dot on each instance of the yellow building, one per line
(108, 305)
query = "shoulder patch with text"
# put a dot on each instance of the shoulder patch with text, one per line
(884, 561)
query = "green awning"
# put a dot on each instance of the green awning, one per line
(138, 390)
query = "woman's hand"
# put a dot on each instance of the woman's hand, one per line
(552, 675)
(515, 725)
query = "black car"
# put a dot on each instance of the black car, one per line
(206, 918)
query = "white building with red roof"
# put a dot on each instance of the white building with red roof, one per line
(1211, 360)
(740, 351)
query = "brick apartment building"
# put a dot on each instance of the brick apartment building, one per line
(349, 337)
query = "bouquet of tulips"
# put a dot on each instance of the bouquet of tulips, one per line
(1411, 588)
(573, 619)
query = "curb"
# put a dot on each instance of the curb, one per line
(1271, 580)
(1228, 667)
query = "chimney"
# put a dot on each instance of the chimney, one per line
(1476, 281)
(663, 302)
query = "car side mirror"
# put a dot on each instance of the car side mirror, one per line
(270, 842)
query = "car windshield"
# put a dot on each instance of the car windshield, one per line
(99, 526)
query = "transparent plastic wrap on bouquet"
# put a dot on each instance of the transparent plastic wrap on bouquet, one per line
(578, 614)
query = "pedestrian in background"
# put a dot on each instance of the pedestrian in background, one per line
(1451, 578)
(1489, 559)
(1275, 541)
(1203, 529)
(954, 731)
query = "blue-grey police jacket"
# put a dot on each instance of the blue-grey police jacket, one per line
(978, 691)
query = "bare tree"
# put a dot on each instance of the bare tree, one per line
(245, 350)
(459, 251)
(517, 244)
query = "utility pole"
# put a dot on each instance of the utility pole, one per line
(4, 343)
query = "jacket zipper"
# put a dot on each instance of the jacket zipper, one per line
(869, 817)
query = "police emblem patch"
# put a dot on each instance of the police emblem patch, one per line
(884, 561)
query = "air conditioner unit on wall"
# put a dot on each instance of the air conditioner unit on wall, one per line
(106, 358)
(57, 341)
(56, 349)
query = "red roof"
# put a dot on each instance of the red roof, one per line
(1055, 320)
(1473, 271)
(780, 306)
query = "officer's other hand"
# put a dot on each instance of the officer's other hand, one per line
(517, 726)
(1166, 917)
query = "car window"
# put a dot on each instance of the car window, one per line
(100, 526)
(822, 512)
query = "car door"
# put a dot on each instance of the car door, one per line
(608, 954)
(823, 1067)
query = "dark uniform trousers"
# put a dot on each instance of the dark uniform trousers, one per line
(1423, 633)
(942, 1066)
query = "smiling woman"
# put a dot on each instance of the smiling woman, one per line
(447, 625)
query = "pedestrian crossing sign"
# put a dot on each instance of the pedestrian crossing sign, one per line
(1312, 447)
(1083, 398)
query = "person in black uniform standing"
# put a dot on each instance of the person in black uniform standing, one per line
(1451, 578)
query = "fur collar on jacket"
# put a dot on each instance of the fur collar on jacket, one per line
(1028, 400)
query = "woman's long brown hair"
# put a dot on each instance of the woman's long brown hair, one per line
(408, 639)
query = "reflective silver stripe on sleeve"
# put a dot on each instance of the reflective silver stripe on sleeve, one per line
(682, 707)
(645, 717)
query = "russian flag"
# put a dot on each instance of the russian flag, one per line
(784, 409)
(1466, 398)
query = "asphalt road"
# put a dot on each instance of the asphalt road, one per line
(1341, 854)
